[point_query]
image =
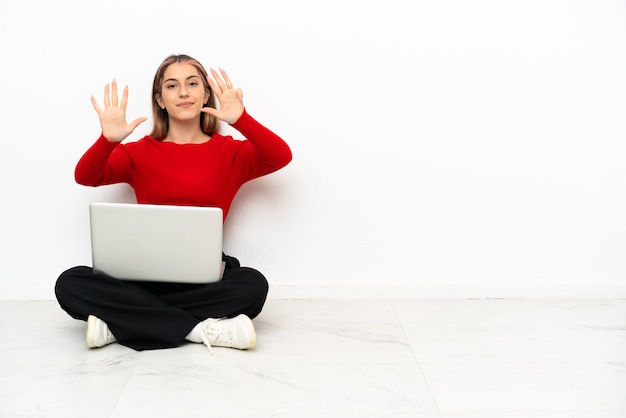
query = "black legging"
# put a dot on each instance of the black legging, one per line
(150, 315)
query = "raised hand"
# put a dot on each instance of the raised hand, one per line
(230, 99)
(113, 116)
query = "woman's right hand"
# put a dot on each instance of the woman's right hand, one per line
(113, 116)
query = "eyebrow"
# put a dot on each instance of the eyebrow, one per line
(173, 79)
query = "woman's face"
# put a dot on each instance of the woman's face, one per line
(182, 91)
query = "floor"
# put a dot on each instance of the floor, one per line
(334, 358)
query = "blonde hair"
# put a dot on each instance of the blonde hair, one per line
(209, 124)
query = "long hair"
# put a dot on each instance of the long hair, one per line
(209, 124)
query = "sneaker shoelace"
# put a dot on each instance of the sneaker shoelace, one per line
(220, 334)
(206, 342)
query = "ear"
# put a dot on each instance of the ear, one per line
(207, 94)
(158, 99)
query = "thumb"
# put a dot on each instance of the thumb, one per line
(137, 122)
(209, 110)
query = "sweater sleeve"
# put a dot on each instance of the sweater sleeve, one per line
(104, 163)
(264, 152)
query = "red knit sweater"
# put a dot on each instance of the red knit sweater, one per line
(208, 174)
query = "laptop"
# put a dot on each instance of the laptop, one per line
(158, 243)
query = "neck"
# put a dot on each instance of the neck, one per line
(186, 133)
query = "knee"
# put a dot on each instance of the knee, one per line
(256, 281)
(68, 290)
(254, 288)
(67, 280)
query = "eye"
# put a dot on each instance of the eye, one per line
(193, 84)
(170, 86)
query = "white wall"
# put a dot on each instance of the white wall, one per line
(441, 148)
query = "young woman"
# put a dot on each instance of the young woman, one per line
(184, 161)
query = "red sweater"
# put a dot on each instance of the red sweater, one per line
(208, 174)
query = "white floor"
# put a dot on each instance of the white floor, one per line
(334, 358)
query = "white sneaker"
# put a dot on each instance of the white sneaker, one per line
(98, 334)
(237, 332)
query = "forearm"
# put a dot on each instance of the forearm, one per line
(269, 147)
(93, 167)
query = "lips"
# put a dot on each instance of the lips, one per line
(184, 105)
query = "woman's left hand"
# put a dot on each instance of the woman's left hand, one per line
(230, 99)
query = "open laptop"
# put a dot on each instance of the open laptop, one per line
(156, 242)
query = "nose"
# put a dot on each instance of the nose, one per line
(183, 91)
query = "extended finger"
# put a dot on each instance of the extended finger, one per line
(114, 93)
(218, 80)
(137, 122)
(210, 111)
(212, 84)
(229, 84)
(95, 105)
(124, 99)
(107, 99)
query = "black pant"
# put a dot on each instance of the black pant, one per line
(150, 315)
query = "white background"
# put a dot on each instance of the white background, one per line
(441, 148)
